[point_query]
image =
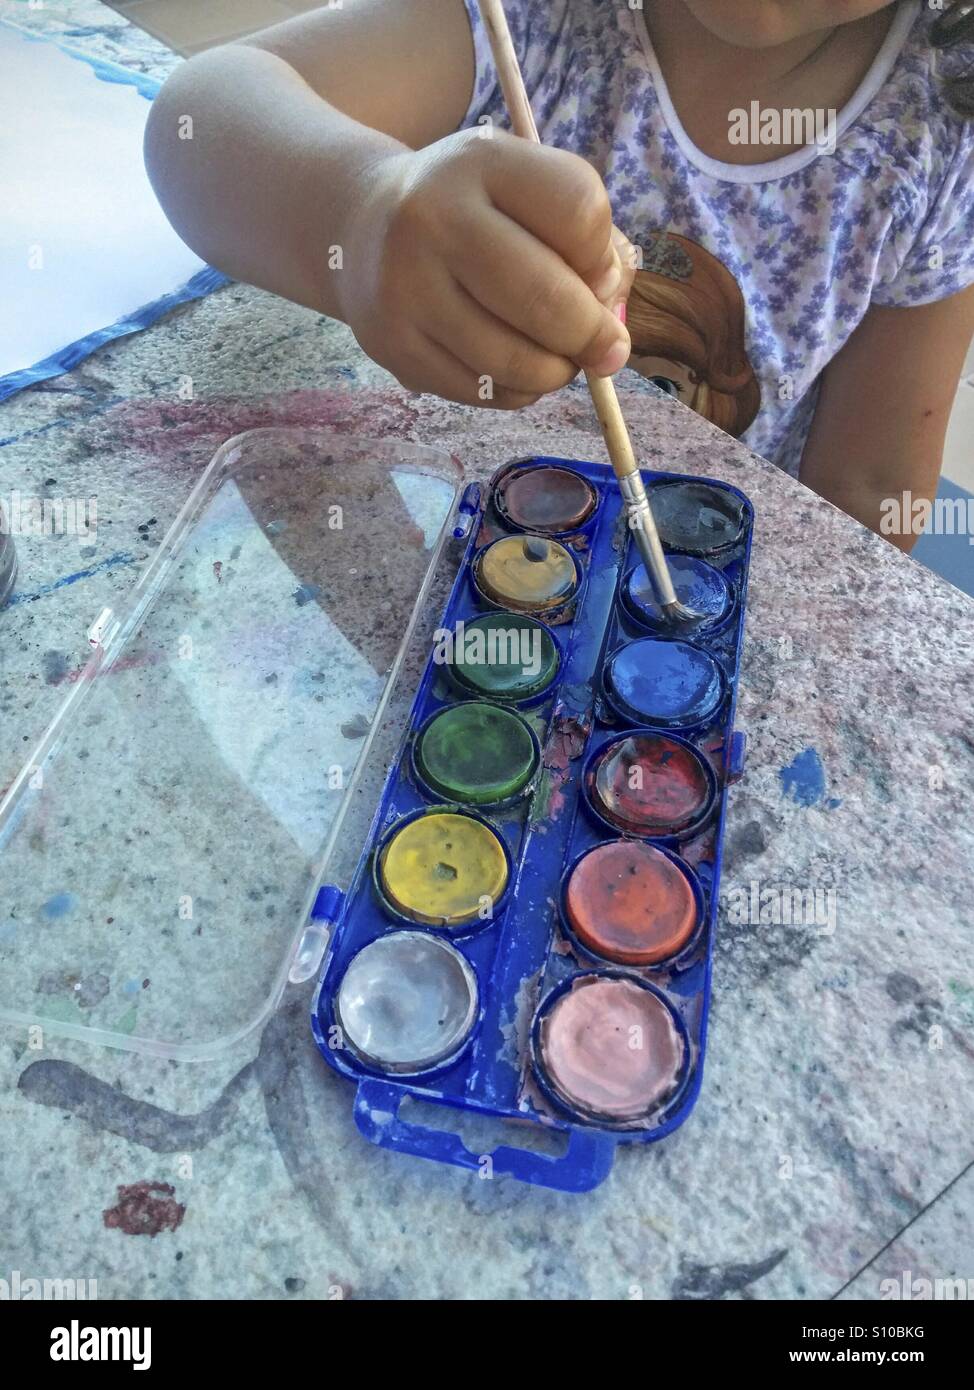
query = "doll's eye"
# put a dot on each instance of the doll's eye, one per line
(665, 383)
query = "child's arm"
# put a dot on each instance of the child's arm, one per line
(462, 257)
(885, 401)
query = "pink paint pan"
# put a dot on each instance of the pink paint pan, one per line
(610, 1049)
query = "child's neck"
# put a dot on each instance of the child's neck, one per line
(708, 78)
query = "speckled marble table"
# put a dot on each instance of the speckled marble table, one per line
(831, 1145)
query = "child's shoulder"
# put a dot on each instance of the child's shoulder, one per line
(547, 34)
(907, 128)
(915, 156)
(552, 38)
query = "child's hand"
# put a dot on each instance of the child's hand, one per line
(486, 270)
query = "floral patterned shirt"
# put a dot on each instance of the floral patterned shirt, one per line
(753, 276)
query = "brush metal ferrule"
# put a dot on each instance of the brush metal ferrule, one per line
(643, 525)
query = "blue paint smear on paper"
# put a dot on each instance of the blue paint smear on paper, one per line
(59, 906)
(803, 780)
(120, 557)
(145, 85)
(110, 72)
(204, 282)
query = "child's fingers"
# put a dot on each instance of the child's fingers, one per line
(524, 283)
(429, 367)
(475, 390)
(612, 281)
(606, 281)
(556, 196)
(497, 354)
(629, 261)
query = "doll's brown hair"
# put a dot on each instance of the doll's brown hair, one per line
(698, 320)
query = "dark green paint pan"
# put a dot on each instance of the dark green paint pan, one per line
(505, 656)
(476, 754)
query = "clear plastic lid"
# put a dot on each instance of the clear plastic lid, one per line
(162, 847)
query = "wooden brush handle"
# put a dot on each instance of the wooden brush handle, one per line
(601, 388)
(614, 431)
(509, 70)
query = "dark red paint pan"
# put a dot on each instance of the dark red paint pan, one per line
(651, 784)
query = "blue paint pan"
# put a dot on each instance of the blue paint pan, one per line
(665, 684)
(697, 585)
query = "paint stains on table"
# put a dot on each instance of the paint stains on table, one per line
(59, 905)
(85, 990)
(69, 1089)
(55, 666)
(716, 1281)
(120, 557)
(306, 593)
(356, 727)
(145, 1209)
(803, 780)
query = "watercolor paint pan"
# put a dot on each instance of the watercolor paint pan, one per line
(544, 862)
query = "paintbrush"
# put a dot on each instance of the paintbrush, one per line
(603, 392)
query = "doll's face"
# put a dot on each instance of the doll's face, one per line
(672, 377)
(765, 23)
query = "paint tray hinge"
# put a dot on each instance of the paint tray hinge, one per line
(736, 755)
(103, 629)
(467, 509)
(325, 913)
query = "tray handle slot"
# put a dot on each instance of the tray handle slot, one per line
(586, 1162)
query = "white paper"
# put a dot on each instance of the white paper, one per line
(83, 242)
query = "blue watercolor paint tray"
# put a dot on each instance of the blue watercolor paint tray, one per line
(524, 956)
